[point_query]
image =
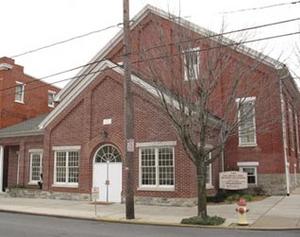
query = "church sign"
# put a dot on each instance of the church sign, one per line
(233, 180)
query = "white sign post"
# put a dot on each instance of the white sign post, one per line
(95, 195)
(233, 180)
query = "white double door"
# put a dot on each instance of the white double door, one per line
(107, 176)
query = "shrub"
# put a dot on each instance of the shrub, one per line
(209, 220)
(248, 197)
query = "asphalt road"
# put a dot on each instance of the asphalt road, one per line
(18, 225)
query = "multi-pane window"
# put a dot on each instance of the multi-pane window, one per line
(209, 175)
(157, 166)
(297, 132)
(51, 95)
(66, 167)
(35, 166)
(19, 95)
(246, 121)
(291, 128)
(251, 174)
(191, 60)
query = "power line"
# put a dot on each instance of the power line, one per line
(153, 58)
(262, 7)
(169, 44)
(65, 41)
(229, 32)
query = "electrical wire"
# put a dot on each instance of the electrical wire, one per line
(155, 58)
(261, 7)
(65, 41)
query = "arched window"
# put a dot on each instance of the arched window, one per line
(107, 153)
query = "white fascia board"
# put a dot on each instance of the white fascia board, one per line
(100, 55)
(75, 92)
(187, 24)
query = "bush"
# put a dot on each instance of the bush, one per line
(209, 220)
(248, 197)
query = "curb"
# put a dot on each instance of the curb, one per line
(137, 222)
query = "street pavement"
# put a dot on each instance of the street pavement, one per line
(17, 225)
(274, 212)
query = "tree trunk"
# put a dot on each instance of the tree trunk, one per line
(201, 188)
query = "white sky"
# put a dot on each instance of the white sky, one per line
(29, 24)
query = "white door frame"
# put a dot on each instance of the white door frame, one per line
(1, 167)
(107, 163)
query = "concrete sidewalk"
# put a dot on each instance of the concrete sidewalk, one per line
(268, 213)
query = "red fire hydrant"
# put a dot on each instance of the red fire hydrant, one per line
(242, 210)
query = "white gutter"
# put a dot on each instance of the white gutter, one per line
(283, 123)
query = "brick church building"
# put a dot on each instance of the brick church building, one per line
(80, 144)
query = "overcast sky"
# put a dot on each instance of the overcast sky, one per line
(29, 24)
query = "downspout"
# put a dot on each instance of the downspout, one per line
(283, 123)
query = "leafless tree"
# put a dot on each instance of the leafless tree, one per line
(204, 82)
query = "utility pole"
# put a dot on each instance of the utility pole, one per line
(128, 114)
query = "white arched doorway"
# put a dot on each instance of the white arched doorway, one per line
(107, 173)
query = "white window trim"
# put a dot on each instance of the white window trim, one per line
(249, 164)
(23, 92)
(209, 185)
(250, 144)
(156, 144)
(31, 152)
(53, 102)
(156, 187)
(197, 49)
(60, 149)
(66, 148)
(297, 133)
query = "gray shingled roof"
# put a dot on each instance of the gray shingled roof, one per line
(26, 128)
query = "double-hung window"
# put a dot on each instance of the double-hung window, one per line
(20, 90)
(191, 60)
(35, 166)
(157, 167)
(51, 95)
(209, 176)
(66, 168)
(246, 121)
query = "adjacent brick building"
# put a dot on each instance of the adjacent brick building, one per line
(21, 97)
(80, 144)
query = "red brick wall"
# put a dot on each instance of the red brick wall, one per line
(35, 99)
(81, 124)
(261, 81)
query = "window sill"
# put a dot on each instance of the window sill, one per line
(33, 183)
(158, 189)
(19, 102)
(65, 185)
(209, 186)
(248, 145)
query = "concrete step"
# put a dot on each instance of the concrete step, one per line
(3, 194)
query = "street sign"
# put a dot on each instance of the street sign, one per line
(130, 145)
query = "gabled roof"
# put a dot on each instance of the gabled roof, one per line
(27, 128)
(91, 77)
(148, 9)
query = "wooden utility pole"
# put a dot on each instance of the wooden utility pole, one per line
(128, 115)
